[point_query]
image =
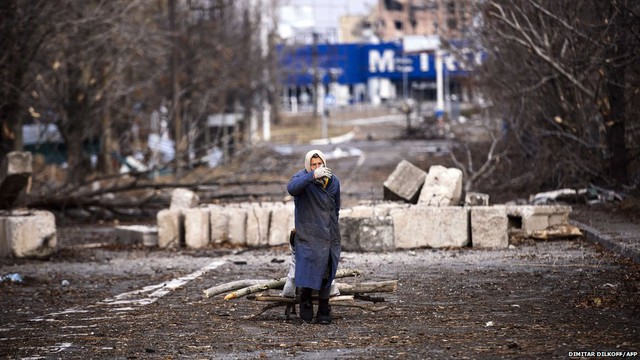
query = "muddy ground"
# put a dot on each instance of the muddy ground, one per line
(538, 300)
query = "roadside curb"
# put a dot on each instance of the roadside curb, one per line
(610, 243)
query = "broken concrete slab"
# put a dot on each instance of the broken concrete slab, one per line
(476, 199)
(442, 187)
(15, 171)
(489, 227)
(137, 234)
(28, 234)
(184, 199)
(404, 183)
(435, 227)
(530, 218)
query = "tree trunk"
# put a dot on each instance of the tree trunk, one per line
(616, 118)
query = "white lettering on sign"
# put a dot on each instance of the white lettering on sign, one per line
(381, 62)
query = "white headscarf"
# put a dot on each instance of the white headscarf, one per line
(307, 159)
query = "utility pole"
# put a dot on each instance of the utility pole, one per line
(314, 62)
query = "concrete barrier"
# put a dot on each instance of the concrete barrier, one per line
(530, 218)
(280, 224)
(170, 228)
(137, 235)
(28, 234)
(435, 227)
(196, 228)
(489, 227)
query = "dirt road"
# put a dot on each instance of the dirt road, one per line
(540, 300)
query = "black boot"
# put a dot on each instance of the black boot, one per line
(306, 305)
(324, 312)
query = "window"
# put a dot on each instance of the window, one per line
(398, 24)
(393, 5)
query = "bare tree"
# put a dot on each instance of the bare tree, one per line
(563, 78)
(24, 28)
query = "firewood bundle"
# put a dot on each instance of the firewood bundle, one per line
(351, 295)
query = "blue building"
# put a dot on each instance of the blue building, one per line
(372, 73)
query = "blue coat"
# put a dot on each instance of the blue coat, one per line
(317, 240)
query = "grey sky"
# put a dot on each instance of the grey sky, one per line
(325, 13)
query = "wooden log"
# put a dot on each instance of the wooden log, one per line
(279, 283)
(371, 287)
(231, 286)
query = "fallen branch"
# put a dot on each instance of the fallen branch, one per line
(340, 300)
(231, 286)
(372, 287)
(344, 288)
(279, 283)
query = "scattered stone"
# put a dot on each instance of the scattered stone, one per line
(476, 199)
(183, 199)
(442, 187)
(404, 183)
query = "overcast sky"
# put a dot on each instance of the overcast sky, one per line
(325, 13)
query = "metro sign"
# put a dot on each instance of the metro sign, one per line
(387, 62)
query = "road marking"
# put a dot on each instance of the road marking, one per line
(135, 299)
(139, 297)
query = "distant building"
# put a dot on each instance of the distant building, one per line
(392, 20)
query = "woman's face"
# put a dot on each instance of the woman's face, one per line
(316, 162)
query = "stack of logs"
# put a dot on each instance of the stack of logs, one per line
(351, 295)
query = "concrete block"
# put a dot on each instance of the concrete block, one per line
(489, 227)
(476, 199)
(367, 234)
(170, 228)
(137, 234)
(183, 199)
(350, 233)
(219, 222)
(280, 224)
(442, 187)
(404, 183)
(376, 234)
(258, 226)
(237, 225)
(28, 234)
(530, 218)
(15, 171)
(196, 228)
(384, 209)
(362, 211)
(435, 227)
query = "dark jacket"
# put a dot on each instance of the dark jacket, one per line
(317, 240)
